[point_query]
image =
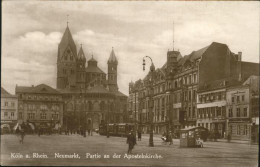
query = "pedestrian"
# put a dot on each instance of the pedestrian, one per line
(170, 138)
(139, 134)
(229, 137)
(39, 132)
(22, 135)
(131, 141)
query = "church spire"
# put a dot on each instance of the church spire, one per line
(112, 57)
(81, 55)
(67, 41)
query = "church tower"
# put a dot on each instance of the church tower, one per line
(81, 62)
(66, 61)
(112, 72)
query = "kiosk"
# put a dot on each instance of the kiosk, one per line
(190, 137)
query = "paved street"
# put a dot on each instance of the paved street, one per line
(213, 153)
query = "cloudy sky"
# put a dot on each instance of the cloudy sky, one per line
(33, 30)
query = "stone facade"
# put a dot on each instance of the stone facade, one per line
(90, 96)
(191, 90)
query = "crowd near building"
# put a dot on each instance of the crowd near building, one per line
(84, 97)
(211, 87)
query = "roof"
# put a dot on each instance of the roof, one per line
(42, 88)
(193, 128)
(118, 93)
(249, 68)
(97, 89)
(4, 93)
(81, 55)
(94, 69)
(66, 41)
(112, 57)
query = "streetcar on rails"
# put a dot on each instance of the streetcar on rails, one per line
(116, 129)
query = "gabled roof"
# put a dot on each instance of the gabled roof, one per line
(42, 88)
(66, 41)
(194, 55)
(4, 93)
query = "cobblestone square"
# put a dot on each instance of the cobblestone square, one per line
(92, 149)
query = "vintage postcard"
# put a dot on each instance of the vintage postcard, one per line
(130, 83)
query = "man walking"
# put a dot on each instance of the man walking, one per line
(131, 141)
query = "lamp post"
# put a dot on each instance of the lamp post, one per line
(152, 69)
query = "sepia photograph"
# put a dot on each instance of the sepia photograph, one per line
(130, 83)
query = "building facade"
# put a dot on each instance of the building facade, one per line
(91, 96)
(40, 105)
(191, 90)
(9, 110)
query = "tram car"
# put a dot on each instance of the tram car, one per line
(116, 129)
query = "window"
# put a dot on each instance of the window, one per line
(43, 115)
(238, 98)
(12, 104)
(245, 112)
(189, 95)
(55, 116)
(5, 114)
(243, 97)
(230, 112)
(194, 78)
(245, 130)
(233, 99)
(6, 103)
(31, 115)
(194, 94)
(238, 112)
(12, 114)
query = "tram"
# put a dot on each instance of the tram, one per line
(116, 129)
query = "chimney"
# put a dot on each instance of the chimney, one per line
(239, 56)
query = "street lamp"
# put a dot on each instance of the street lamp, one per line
(152, 69)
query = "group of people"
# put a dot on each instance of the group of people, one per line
(167, 137)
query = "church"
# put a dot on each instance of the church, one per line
(90, 96)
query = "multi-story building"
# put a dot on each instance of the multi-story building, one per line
(40, 105)
(9, 105)
(211, 108)
(191, 90)
(242, 109)
(90, 96)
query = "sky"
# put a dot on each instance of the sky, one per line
(32, 30)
